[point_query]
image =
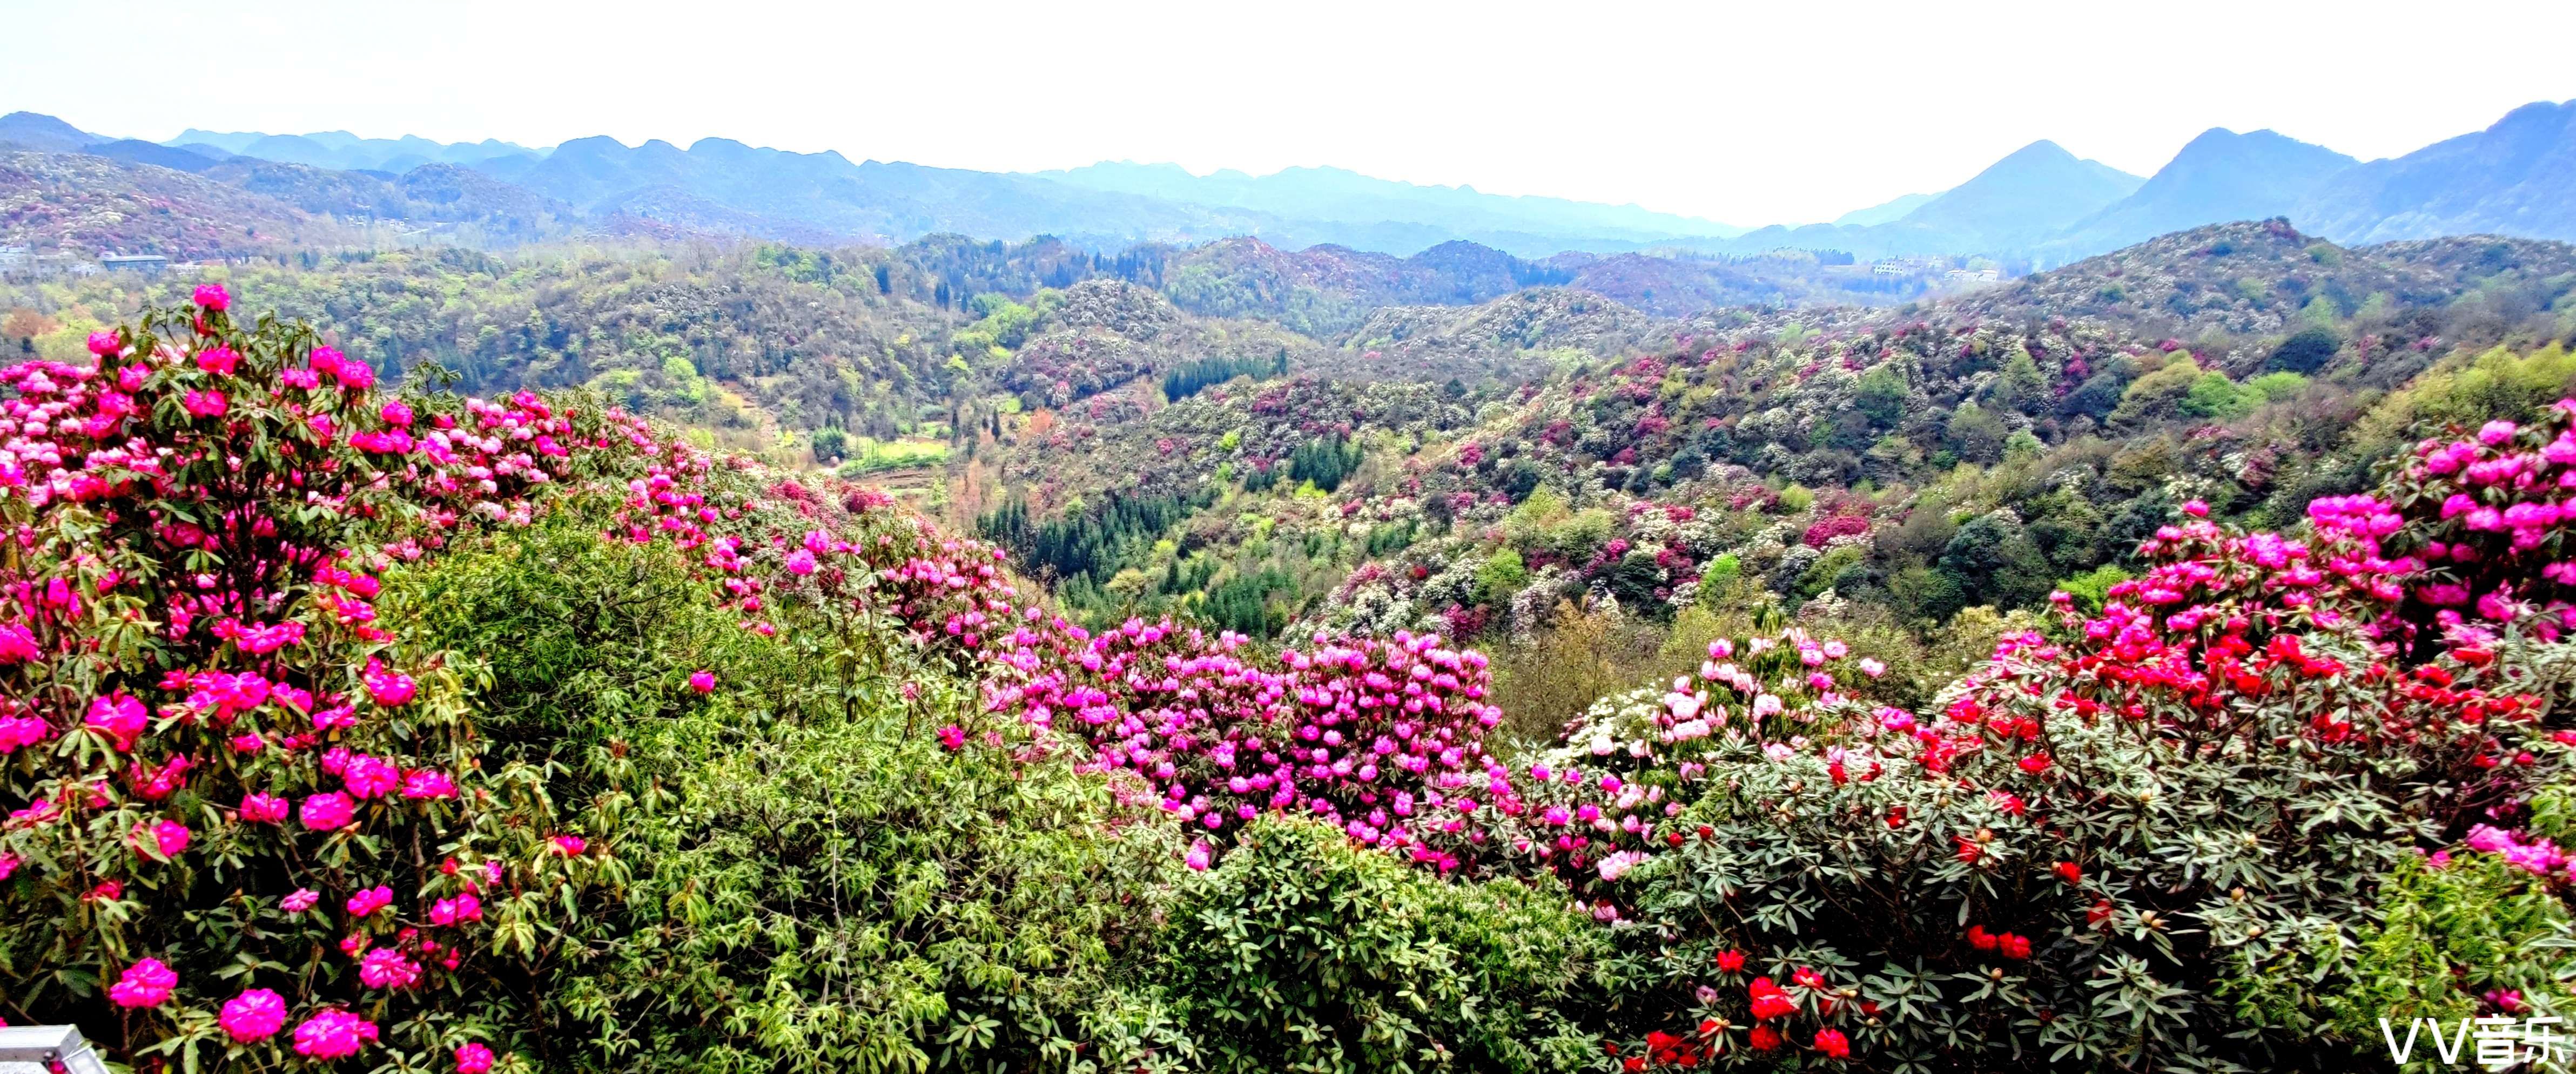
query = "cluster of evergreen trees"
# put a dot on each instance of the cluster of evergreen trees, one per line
(1325, 460)
(1186, 381)
(1245, 603)
(1092, 543)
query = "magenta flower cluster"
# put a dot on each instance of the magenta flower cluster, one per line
(215, 503)
(1384, 739)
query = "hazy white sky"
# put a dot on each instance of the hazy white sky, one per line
(1748, 113)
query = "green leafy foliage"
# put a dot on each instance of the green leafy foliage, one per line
(804, 878)
(1303, 953)
(2446, 934)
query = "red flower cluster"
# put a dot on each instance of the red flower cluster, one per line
(1770, 1000)
(2008, 944)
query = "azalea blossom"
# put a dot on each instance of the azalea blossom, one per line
(333, 1034)
(146, 983)
(208, 403)
(169, 838)
(1617, 865)
(255, 1015)
(390, 689)
(121, 717)
(370, 777)
(1833, 1044)
(387, 968)
(457, 910)
(329, 811)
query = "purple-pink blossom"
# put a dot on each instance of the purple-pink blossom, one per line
(147, 983)
(207, 403)
(370, 777)
(122, 718)
(333, 1034)
(386, 967)
(462, 908)
(254, 1015)
(328, 812)
(371, 900)
(169, 837)
(428, 783)
(389, 688)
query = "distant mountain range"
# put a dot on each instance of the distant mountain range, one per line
(1340, 194)
(2034, 193)
(724, 186)
(2031, 194)
(1107, 205)
(2038, 206)
(341, 149)
(44, 134)
(2515, 178)
(2221, 175)
(1885, 211)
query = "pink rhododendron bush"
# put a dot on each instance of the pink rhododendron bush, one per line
(351, 731)
(220, 766)
(1383, 739)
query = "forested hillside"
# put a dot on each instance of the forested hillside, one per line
(2234, 364)
(1891, 467)
(894, 343)
(94, 203)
